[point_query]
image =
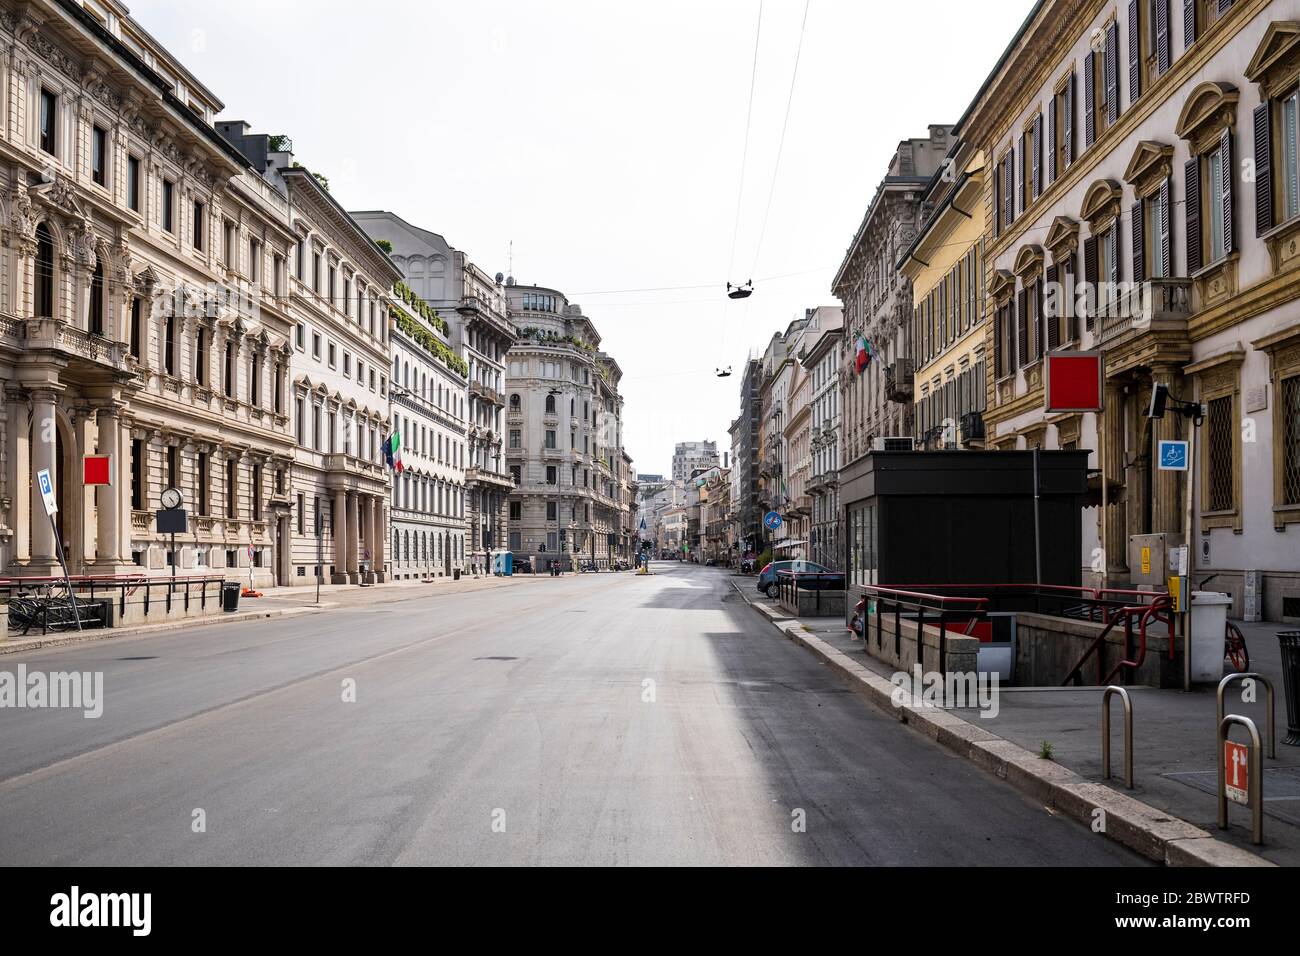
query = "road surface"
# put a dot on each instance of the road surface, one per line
(589, 720)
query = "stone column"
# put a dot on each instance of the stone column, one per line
(17, 471)
(339, 529)
(108, 514)
(44, 556)
(353, 533)
(366, 520)
(380, 532)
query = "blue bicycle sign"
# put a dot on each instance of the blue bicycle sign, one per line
(772, 521)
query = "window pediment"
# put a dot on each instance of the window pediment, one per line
(1062, 236)
(1002, 285)
(1101, 202)
(1149, 166)
(1277, 58)
(1028, 261)
(1208, 109)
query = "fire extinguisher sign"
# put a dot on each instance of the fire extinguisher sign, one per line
(1236, 772)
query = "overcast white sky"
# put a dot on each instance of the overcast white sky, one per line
(604, 138)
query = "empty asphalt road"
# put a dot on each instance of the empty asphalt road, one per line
(595, 719)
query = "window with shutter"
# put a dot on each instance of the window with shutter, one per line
(1067, 125)
(1112, 73)
(1166, 246)
(1038, 155)
(1163, 56)
(1134, 51)
(1089, 99)
(1112, 266)
(1289, 155)
(1139, 244)
(1189, 23)
(1036, 304)
(1021, 195)
(1192, 214)
(1022, 328)
(1229, 170)
(1008, 188)
(1090, 278)
(1069, 332)
(1263, 168)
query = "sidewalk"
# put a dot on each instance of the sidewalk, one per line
(1173, 732)
(275, 602)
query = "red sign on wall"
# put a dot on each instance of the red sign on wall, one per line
(97, 470)
(1074, 381)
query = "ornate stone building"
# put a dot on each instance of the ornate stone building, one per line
(474, 308)
(564, 434)
(143, 308)
(336, 286)
(1117, 135)
(877, 299)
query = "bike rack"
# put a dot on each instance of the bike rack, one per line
(1255, 781)
(1268, 686)
(1128, 733)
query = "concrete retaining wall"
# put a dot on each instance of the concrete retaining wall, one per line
(813, 603)
(1048, 647)
(960, 656)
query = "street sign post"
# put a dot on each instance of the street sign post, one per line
(46, 485)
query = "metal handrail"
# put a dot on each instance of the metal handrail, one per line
(1146, 613)
(1128, 733)
(971, 611)
(1272, 705)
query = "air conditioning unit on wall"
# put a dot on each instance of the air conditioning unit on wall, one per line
(895, 443)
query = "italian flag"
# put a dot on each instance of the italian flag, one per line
(393, 451)
(863, 357)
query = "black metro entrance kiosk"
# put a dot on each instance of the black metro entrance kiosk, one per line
(964, 517)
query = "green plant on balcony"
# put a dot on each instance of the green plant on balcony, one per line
(429, 342)
(419, 306)
(385, 245)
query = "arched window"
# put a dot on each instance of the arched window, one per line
(514, 402)
(95, 320)
(550, 404)
(43, 297)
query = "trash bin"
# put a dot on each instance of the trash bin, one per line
(455, 574)
(1209, 625)
(1290, 644)
(230, 595)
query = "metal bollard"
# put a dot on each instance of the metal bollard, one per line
(1255, 780)
(1128, 734)
(1268, 687)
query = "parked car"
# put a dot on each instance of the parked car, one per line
(767, 577)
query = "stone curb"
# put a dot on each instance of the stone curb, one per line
(1145, 829)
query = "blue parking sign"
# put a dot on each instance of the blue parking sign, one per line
(1172, 456)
